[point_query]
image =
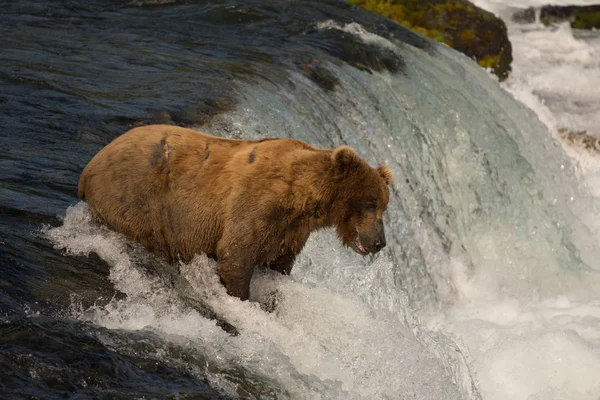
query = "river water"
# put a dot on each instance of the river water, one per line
(487, 289)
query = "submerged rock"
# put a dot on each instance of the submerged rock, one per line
(458, 23)
(580, 17)
(524, 16)
(582, 139)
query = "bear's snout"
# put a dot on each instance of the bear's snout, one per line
(379, 242)
(372, 241)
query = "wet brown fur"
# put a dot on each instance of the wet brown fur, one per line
(245, 203)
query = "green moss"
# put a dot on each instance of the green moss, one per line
(549, 20)
(489, 61)
(415, 15)
(586, 20)
(409, 13)
(468, 35)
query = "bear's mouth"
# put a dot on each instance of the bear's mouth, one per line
(358, 246)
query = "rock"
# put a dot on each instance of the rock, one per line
(526, 16)
(458, 23)
(580, 17)
(582, 139)
(317, 72)
(195, 113)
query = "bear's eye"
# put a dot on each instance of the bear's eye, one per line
(371, 207)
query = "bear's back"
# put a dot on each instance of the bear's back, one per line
(168, 187)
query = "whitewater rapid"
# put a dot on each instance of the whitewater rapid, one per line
(322, 342)
(556, 73)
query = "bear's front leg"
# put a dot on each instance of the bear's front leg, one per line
(236, 276)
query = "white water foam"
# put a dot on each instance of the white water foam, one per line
(556, 70)
(527, 347)
(318, 344)
(358, 30)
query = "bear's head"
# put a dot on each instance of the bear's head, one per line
(361, 196)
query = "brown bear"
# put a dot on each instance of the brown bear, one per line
(244, 203)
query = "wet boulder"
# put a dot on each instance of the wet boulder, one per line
(580, 17)
(458, 23)
(524, 16)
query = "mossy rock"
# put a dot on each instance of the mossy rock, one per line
(580, 17)
(458, 23)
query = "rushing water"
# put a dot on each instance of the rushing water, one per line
(556, 71)
(492, 250)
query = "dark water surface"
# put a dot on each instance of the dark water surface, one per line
(73, 76)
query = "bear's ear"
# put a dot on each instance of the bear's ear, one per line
(344, 156)
(386, 174)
